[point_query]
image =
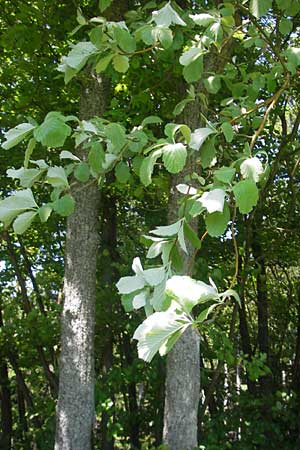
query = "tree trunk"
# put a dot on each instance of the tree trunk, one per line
(182, 392)
(296, 363)
(75, 409)
(262, 309)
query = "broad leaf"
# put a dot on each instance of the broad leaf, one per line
(121, 63)
(227, 131)
(167, 16)
(126, 285)
(65, 154)
(96, 157)
(104, 4)
(203, 20)
(53, 132)
(153, 334)
(139, 300)
(17, 134)
(155, 276)
(194, 70)
(188, 292)
(224, 174)
(18, 202)
(122, 172)
(23, 221)
(199, 136)
(82, 172)
(147, 167)
(246, 194)
(27, 177)
(174, 157)
(252, 168)
(124, 39)
(190, 55)
(213, 200)
(186, 190)
(56, 176)
(79, 55)
(168, 230)
(260, 7)
(116, 134)
(217, 222)
(64, 206)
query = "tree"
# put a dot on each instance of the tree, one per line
(230, 177)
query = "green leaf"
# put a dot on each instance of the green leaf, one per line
(65, 154)
(122, 172)
(56, 176)
(199, 136)
(188, 292)
(18, 202)
(224, 174)
(168, 230)
(174, 157)
(193, 71)
(167, 16)
(197, 208)
(64, 206)
(252, 168)
(15, 135)
(96, 157)
(124, 39)
(154, 277)
(285, 26)
(53, 132)
(23, 221)
(138, 139)
(191, 236)
(203, 20)
(116, 134)
(260, 7)
(163, 35)
(206, 312)
(213, 200)
(246, 194)
(217, 222)
(104, 4)
(121, 63)
(153, 334)
(27, 177)
(79, 55)
(96, 36)
(227, 131)
(147, 167)
(181, 105)
(82, 172)
(208, 153)
(190, 55)
(103, 63)
(126, 285)
(30, 147)
(150, 120)
(127, 300)
(213, 84)
(44, 212)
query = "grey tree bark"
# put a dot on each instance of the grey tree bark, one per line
(75, 409)
(183, 362)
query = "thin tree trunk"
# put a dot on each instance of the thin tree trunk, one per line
(183, 361)
(262, 309)
(6, 408)
(296, 364)
(182, 392)
(75, 409)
